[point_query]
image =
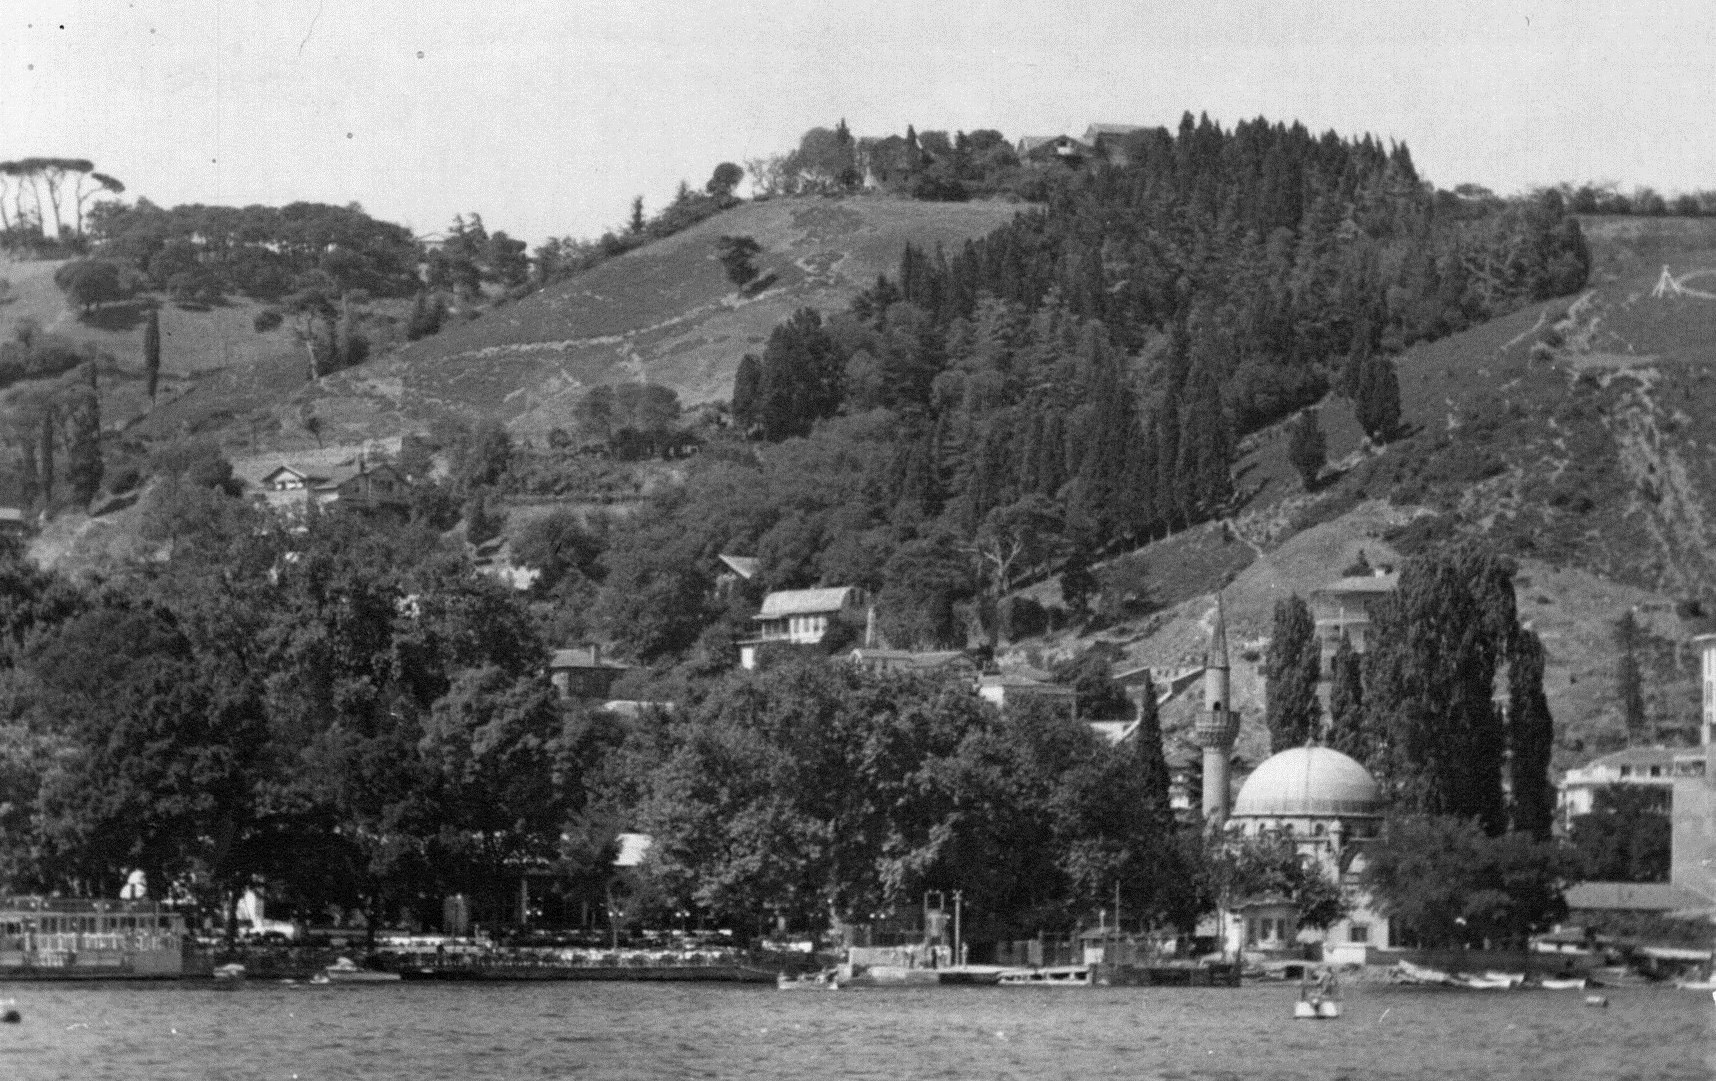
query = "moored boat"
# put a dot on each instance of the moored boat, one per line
(808, 981)
(345, 970)
(232, 971)
(1054, 976)
(1551, 984)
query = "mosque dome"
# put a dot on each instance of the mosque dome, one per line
(1305, 782)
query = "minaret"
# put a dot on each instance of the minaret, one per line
(1218, 725)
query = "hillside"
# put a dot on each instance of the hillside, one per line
(664, 313)
(1576, 435)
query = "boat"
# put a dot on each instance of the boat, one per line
(232, 971)
(1549, 983)
(808, 981)
(59, 938)
(1054, 976)
(345, 970)
(1489, 981)
(1419, 975)
(1320, 1000)
(9, 1014)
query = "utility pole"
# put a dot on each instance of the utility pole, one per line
(958, 944)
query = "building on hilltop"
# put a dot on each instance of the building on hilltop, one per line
(352, 485)
(1014, 689)
(1348, 606)
(1109, 141)
(1044, 148)
(938, 662)
(800, 617)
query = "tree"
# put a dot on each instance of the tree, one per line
(636, 224)
(1291, 672)
(1428, 686)
(1531, 741)
(1626, 837)
(1629, 684)
(1348, 730)
(81, 408)
(1378, 404)
(152, 352)
(1445, 883)
(724, 179)
(1242, 868)
(90, 283)
(558, 545)
(801, 372)
(738, 256)
(747, 384)
(100, 184)
(1306, 449)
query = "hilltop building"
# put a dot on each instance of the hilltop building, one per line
(1014, 689)
(1348, 606)
(800, 617)
(354, 485)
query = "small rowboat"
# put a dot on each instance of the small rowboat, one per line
(1551, 984)
(810, 981)
(345, 970)
(1056, 976)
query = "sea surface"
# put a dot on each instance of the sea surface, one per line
(624, 1030)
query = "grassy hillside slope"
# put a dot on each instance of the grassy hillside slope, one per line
(664, 313)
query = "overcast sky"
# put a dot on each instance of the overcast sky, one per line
(547, 117)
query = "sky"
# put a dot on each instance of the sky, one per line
(549, 117)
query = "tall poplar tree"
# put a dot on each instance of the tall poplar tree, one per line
(1530, 739)
(152, 352)
(1290, 674)
(1429, 679)
(1629, 684)
(1348, 732)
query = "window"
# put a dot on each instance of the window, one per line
(1656, 771)
(1358, 932)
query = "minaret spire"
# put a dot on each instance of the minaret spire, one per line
(1218, 726)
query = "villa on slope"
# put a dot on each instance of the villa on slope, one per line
(355, 486)
(801, 617)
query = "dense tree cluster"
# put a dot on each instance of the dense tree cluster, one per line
(206, 252)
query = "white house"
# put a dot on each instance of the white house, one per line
(800, 617)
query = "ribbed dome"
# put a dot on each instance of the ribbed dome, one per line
(1307, 781)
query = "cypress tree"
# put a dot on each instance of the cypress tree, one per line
(1306, 449)
(83, 443)
(152, 352)
(1531, 740)
(1629, 683)
(1378, 404)
(1290, 676)
(1348, 732)
(747, 385)
(1152, 764)
(1428, 682)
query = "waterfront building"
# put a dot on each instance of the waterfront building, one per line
(1693, 860)
(1329, 806)
(73, 938)
(1648, 767)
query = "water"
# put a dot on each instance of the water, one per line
(622, 1031)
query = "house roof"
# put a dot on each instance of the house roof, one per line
(1633, 896)
(1094, 130)
(1638, 756)
(743, 566)
(1019, 681)
(800, 602)
(11, 514)
(294, 471)
(1362, 583)
(582, 657)
(906, 658)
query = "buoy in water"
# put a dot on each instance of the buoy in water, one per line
(1597, 1000)
(10, 1016)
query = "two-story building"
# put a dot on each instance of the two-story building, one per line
(801, 617)
(582, 673)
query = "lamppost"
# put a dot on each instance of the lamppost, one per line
(958, 943)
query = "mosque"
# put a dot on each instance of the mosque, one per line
(1324, 801)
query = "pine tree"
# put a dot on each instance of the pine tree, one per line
(1306, 449)
(1348, 732)
(1290, 673)
(152, 352)
(1531, 740)
(1629, 684)
(636, 224)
